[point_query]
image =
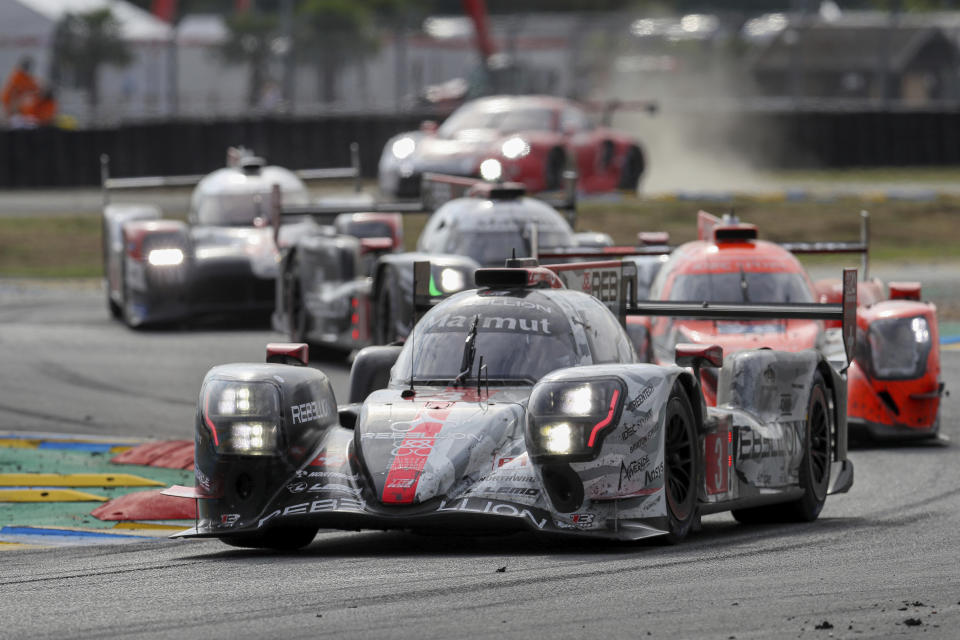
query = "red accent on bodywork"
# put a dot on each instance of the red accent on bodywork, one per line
(147, 505)
(134, 233)
(400, 486)
(905, 291)
(368, 245)
(603, 423)
(653, 238)
(540, 275)
(716, 447)
(691, 355)
(180, 491)
(279, 351)
(705, 225)
(918, 400)
(168, 454)
(208, 421)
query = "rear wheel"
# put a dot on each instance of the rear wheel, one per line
(680, 466)
(278, 538)
(296, 312)
(553, 172)
(385, 316)
(814, 467)
(633, 165)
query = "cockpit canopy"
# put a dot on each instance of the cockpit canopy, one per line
(521, 335)
(490, 231)
(235, 197)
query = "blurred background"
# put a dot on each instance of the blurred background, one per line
(165, 86)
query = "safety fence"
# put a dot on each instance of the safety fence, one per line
(785, 139)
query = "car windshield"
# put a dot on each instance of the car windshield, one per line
(481, 117)
(491, 248)
(520, 339)
(741, 287)
(233, 209)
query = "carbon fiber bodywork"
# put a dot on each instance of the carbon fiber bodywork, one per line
(459, 457)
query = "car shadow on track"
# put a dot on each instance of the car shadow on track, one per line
(715, 533)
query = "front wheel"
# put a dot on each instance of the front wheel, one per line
(278, 538)
(680, 466)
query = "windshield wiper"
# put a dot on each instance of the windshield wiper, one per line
(469, 353)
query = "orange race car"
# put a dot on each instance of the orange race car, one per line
(894, 381)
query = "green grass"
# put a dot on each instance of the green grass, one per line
(69, 246)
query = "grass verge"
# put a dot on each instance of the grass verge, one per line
(69, 246)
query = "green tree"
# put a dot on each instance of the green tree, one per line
(335, 34)
(248, 43)
(82, 44)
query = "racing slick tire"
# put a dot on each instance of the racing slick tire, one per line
(632, 170)
(288, 538)
(814, 467)
(553, 171)
(386, 310)
(296, 311)
(680, 466)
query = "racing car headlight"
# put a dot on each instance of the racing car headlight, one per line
(242, 417)
(165, 257)
(491, 170)
(403, 147)
(899, 347)
(451, 280)
(570, 419)
(514, 148)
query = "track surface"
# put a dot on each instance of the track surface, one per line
(879, 556)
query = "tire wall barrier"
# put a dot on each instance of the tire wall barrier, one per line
(62, 158)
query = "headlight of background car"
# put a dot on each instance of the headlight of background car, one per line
(569, 419)
(403, 147)
(514, 148)
(491, 170)
(899, 347)
(242, 417)
(165, 257)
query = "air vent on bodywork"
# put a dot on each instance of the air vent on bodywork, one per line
(735, 233)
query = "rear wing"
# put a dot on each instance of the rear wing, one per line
(862, 247)
(614, 284)
(436, 189)
(235, 157)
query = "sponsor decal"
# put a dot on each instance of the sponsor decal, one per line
(297, 487)
(314, 488)
(502, 460)
(475, 505)
(786, 404)
(577, 521)
(494, 323)
(510, 491)
(639, 443)
(628, 430)
(401, 483)
(655, 474)
(642, 397)
(229, 519)
(769, 375)
(628, 472)
(328, 459)
(334, 474)
(317, 506)
(308, 411)
(716, 446)
(753, 446)
(511, 302)
(603, 284)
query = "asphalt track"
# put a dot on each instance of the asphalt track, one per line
(880, 562)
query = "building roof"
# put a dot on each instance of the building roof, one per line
(135, 23)
(827, 47)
